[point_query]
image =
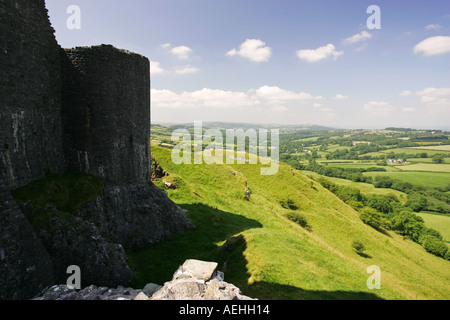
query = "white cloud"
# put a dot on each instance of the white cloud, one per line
(182, 52)
(435, 99)
(433, 46)
(433, 27)
(362, 47)
(279, 108)
(169, 99)
(406, 93)
(408, 109)
(379, 108)
(253, 49)
(341, 97)
(362, 36)
(328, 51)
(186, 70)
(277, 95)
(317, 105)
(210, 98)
(155, 68)
(165, 45)
(273, 98)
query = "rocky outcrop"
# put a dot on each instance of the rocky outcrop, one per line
(70, 240)
(25, 266)
(135, 215)
(157, 171)
(185, 285)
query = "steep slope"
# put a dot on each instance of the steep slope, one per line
(270, 257)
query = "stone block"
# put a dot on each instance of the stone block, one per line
(201, 270)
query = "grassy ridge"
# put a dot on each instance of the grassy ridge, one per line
(270, 257)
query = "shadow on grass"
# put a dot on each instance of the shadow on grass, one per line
(158, 262)
(237, 274)
(364, 255)
(216, 238)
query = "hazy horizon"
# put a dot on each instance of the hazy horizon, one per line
(168, 123)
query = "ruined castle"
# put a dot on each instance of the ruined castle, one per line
(84, 110)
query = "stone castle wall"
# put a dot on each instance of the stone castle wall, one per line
(30, 98)
(86, 110)
(106, 108)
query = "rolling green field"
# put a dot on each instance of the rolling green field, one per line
(431, 167)
(437, 148)
(269, 256)
(427, 179)
(365, 188)
(440, 223)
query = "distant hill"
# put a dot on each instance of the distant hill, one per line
(245, 126)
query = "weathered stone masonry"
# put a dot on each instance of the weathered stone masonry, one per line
(30, 98)
(106, 108)
(87, 110)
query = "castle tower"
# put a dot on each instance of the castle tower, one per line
(106, 111)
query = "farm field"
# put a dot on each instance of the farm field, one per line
(427, 179)
(437, 148)
(365, 188)
(426, 167)
(440, 223)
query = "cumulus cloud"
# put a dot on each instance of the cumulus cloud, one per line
(341, 97)
(275, 94)
(379, 108)
(271, 97)
(321, 53)
(186, 70)
(433, 46)
(155, 68)
(182, 52)
(406, 93)
(433, 27)
(408, 109)
(165, 45)
(252, 49)
(435, 99)
(362, 36)
(211, 98)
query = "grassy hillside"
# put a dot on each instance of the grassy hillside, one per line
(271, 257)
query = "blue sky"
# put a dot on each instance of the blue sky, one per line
(285, 61)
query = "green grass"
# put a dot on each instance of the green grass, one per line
(66, 192)
(416, 150)
(270, 257)
(365, 188)
(427, 179)
(425, 160)
(426, 167)
(436, 148)
(440, 223)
